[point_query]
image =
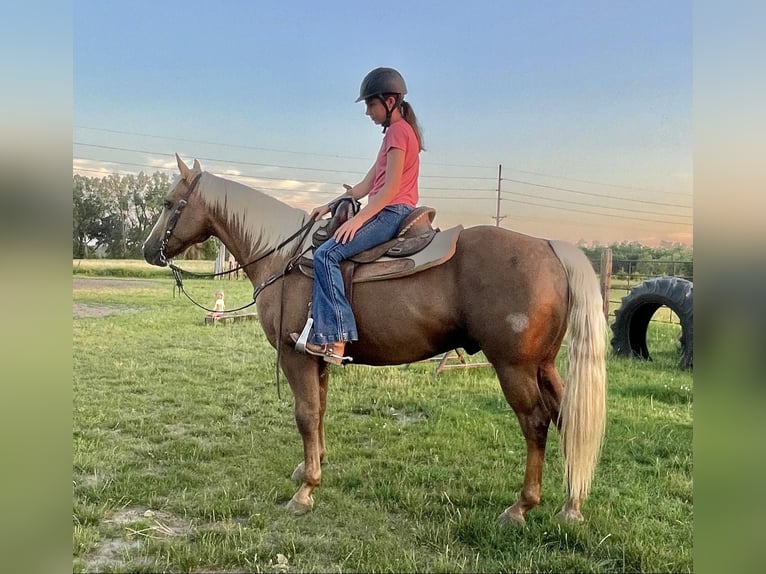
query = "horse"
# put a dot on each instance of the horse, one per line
(510, 295)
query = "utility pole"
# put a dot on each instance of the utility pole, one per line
(498, 217)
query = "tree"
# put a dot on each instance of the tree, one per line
(115, 213)
(146, 194)
(634, 260)
(88, 210)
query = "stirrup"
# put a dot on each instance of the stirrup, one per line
(325, 351)
(300, 342)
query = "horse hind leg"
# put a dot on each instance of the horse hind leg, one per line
(552, 388)
(520, 386)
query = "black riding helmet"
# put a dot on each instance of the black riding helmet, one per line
(382, 81)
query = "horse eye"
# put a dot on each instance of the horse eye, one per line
(168, 204)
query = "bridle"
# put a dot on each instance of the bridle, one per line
(173, 220)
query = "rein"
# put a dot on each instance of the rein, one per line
(178, 273)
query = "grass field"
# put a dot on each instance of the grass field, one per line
(183, 454)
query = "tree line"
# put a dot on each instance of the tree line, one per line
(113, 215)
(633, 260)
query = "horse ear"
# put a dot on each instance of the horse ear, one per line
(197, 166)
(183, 168)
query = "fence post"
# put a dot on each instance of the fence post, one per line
(606, 279)
(219, 259)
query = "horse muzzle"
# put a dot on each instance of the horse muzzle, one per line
(153, 255)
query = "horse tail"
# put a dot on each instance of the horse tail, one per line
(583, 407)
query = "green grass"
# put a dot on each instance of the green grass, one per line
(134, 268)
(183, 454)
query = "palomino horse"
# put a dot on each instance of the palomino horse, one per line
(510, 295)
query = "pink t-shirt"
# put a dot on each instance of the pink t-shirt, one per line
(399, 135)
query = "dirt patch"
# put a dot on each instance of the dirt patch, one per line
(111, 553)
(80, 310)
(160, 523)
(137, 525)
(407, 419)
(104, 283)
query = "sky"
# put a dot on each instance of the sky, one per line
(586, 105)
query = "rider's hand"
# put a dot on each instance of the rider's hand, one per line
(320, 212)
(347, 231)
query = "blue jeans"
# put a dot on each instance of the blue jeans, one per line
(333, 318)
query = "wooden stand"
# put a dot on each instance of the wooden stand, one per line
(447, 357)
(230, 318)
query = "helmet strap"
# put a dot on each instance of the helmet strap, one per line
(389, 111)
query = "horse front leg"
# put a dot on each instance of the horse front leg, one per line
(299, 471)
(303, 375)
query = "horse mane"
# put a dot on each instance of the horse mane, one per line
(261, 220)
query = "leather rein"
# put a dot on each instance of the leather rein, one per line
(178, 273)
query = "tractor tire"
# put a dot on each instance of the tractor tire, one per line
(637, 308)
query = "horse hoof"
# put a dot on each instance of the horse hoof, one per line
(298, 473)
(570, 516)
(512, 518)
(298, 508)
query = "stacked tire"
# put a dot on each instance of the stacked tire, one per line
(637, 308)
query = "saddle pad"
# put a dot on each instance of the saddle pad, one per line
(440, 250)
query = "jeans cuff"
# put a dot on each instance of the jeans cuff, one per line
(327, 339)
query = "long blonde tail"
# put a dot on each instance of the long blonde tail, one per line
(583, 407)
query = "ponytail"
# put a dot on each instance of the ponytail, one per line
(409, 115)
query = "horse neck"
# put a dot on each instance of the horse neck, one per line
(252, 225)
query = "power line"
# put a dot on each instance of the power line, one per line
(421, 187)
(603, 214)
(249, 176)
(238, 146)
(227, 175)
(592, 182)
(260, 188)
(440, 197)
(516, 221)
(437, 197)
(329, 170)
(92, 170)
(256, 148)
(338, 171)
(520, 218)
(589, 205)
(338, 156)
(599, 195)
(259, 164)
(252, 163)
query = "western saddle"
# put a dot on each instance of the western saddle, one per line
(416, 246)
(414, 233)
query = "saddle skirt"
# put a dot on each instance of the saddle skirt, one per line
(416, 247)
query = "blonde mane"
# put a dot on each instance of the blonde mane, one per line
(263, 222)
